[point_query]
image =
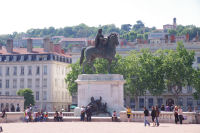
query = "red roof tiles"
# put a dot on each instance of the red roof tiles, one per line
(17, 51)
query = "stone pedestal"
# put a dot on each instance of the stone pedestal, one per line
(108, 86)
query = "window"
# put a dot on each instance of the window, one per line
(7, 83)
(29, 83)
(44, 95)
(21, 83)
(22, 58)
(141, 102)
(22, 70)
(38, 70)
(189, 89)
(45, 70)
(14, 83)
(150, 101)
(37, 83)
(29, 70)
(44, 82)
(189, 102)
(7, 71)
(37, 95)
(0, 71)
(0, 83)
(180, 101)
(160, 102)
(132, 103)
(7, 93)
(198, 59)
(14, 70)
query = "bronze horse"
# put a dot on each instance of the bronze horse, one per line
(106, 51)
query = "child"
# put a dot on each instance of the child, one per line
(114, 116)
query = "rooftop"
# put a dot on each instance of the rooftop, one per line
(73, 39)
(23, 51)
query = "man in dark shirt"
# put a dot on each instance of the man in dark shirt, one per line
(146, 114)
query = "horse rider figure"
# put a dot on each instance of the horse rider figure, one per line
(99, 39)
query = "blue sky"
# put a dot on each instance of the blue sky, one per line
(21, 15)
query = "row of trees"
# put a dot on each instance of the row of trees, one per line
(130, 32)
(144, 71)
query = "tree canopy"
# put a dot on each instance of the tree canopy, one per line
(28, 96)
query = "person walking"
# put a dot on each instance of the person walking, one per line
(153, 115)
(146, 114)
(1, 129)
(128, 111)
(176, 114)
(157, 116)
(180, 114)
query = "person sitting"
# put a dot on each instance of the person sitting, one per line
(56, 116)
(3, 114)
(162, 107)
(61, 116)
(26, 116)
(18, 108)
(45, 116)
(114, 116)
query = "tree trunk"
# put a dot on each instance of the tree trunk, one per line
(136, 103)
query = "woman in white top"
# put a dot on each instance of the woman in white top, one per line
(180, 114)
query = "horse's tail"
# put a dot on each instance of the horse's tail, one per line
(82, 55)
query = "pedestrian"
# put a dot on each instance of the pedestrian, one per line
(180, 114)
(157, 116)
(153, 115)
(82, 113)
(1, 129)
(128, 111)
(146, 115)
(176, 114)
(88, 113)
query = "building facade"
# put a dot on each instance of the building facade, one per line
(41, 69)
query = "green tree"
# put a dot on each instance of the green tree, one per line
(144, 73)
(28, 96)
(196, 84)
(126, 27)
(139, 25)
(178, 69)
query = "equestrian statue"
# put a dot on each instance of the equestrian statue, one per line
(104, 48)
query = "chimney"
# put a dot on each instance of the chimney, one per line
(46, 44)
(9, 46)
(29, 45)
(51, 47)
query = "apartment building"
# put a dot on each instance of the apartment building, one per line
(41, 69)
